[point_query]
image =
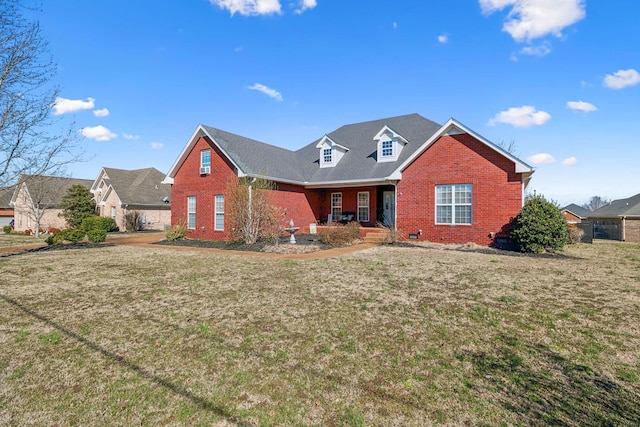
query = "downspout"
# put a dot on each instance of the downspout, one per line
(624, 228)
(395, 205)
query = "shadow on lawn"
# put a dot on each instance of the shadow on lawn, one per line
(556, 391)
(175, 388)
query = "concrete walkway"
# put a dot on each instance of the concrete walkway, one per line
(148, 240)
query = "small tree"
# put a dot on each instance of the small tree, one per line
(42, 194)
(596, 202)
(540, 226)
(77, 204)
(251, 214)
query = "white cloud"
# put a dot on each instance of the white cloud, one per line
(581, 106)
(521, 117)
(64, 106)
(156, 145)
(622, 78)
(540, 50)
(541, 159)
(395, 25)
(443, 38)
(570, 161)
(267, 91)
(249, 7)
(306, 5)
(129, 136)
(99, 133)
(532, 19)
(104, 112)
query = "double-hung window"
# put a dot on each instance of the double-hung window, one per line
(336, 206)
(327, 155)
(219, 212)
(453, 204)
(363, 206)
(191, 212)
(205, 162)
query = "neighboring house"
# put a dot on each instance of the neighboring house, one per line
(6, 210)
(575, 214)
(441, 183)
(618, 220)
(119, 191)
(36, 201)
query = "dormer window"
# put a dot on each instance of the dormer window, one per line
(330, 152)
(326, 155)
(205, 162)
(390, 144)
(387, 148)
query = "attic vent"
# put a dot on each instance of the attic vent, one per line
(205, 170)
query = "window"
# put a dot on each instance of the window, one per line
(219, 212)
(453, 204)
(387, 148)
(113, 212)
(336, 206)
(205, 162)
(326, 155)
(363, 206)
(191, 212)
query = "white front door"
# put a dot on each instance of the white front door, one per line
(389, 208)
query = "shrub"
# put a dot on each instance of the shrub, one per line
(574, 235)
(72, 235)
(177, 232)
(540, 227)
(53, 230)
(28, 232)
(7, 229)
(132, 221)
(97, 235)
(100, 223)
(341, 235)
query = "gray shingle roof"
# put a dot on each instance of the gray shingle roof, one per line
(138, 187)
(5, 196)
(50, 189)
(359, 163)
(621, 207)
(577, 210)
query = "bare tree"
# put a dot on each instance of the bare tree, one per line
(30, 140)
(596, 202)
(250, 210)
(510, 147)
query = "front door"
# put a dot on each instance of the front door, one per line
(389, 208)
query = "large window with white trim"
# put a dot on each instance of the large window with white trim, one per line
(453, 204)
(219, 212)
(191, 212)
(363, 206)
(336, 206)
(205, 161)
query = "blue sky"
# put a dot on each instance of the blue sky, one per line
(560, 78)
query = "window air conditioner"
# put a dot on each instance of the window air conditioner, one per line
(205, 170)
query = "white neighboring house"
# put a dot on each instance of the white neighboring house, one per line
(36, 201)
(119, 191)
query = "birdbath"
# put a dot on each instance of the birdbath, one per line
(292, 230)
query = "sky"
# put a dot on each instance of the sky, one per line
(557, 79)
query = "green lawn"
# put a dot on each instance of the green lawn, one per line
(433, 335)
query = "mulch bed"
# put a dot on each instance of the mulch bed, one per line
(304, 243)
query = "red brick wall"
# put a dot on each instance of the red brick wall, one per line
(294, 201)
(189, 182)
(632, 230)
(571, 218)
(459, 159)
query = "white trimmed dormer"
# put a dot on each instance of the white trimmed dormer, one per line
(390, 144)
(330, 152)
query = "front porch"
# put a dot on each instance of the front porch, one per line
(368, 234)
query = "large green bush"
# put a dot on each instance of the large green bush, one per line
(99, 223)
(97, 235)
(540, 227)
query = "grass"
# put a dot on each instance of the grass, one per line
(19, 239)
(433, 335)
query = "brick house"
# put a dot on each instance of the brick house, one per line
(441, 183)
(575, 214)
(618, 220)
(118, 191)
(6, 210)
(36, 201)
